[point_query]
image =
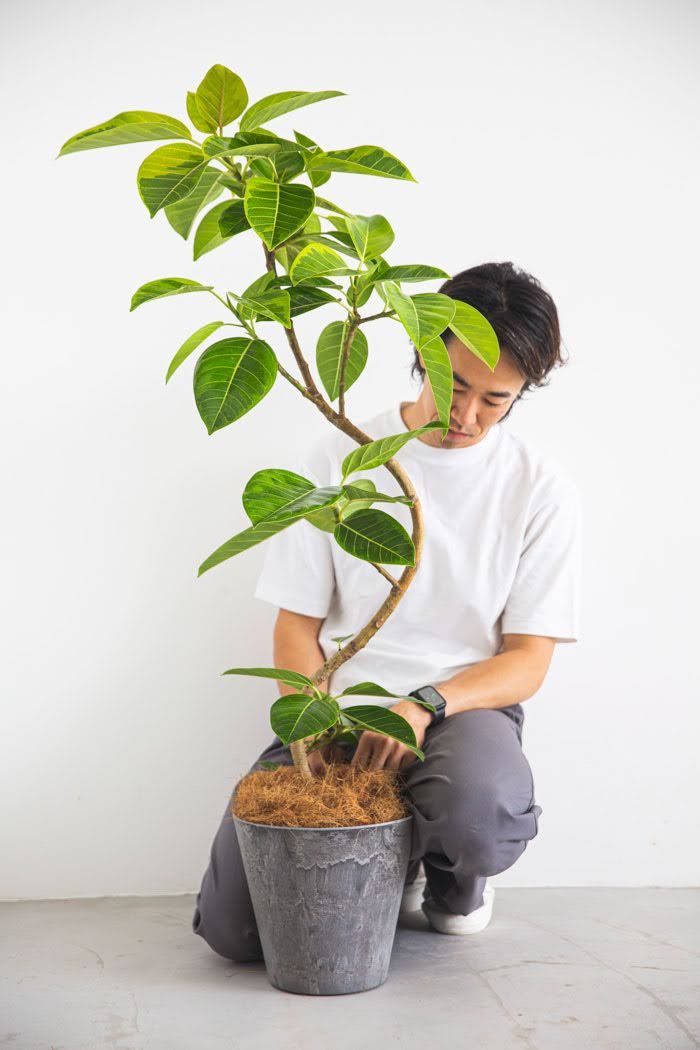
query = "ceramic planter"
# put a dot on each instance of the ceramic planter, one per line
(326, 901)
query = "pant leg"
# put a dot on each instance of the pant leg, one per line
(473, 803)
(223, 915)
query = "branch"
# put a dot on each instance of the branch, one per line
(400, 586)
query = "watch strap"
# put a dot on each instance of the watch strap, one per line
(432, 696)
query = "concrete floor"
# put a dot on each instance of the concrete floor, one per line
(555, 969)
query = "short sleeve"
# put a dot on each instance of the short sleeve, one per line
(546, 592)
(297, 572)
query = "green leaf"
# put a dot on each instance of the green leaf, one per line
(276, 211)
(410, 272)
(371, 234)
(209, 234)
(388, 723)
(270, 490)
(132, 126)
(330, 239)
(195, 116)
(221, 97)
(374, 453)
(329, 355)
(288, 164)
(469, 325)
(297, 715)
(169, 174)
(182, 213)
(247, 144)
(272, 524)
(191, 344)
(231, 377)
(272, 106)
(424, 315)
(233, 219)
(363, 493)
(267, 764)
(363, 160)
(306, 297)
(439, 368)
(316, 260)
(325, 519)
(373, 535)
(273, 305)
(372, 689)
(280, 674)
(163, 287)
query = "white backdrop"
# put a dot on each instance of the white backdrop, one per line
(562, 137)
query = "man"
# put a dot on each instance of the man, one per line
(497, 586)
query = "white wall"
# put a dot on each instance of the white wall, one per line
(562, 137)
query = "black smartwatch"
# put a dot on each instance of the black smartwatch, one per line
(430, 693)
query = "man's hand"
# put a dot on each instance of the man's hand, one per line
(376, 751)
(320, 757)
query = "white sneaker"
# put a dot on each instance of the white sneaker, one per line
(413, 892)
(450, 922)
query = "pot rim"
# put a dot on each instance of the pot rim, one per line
(342, 827)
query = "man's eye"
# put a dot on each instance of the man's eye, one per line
(493, 404)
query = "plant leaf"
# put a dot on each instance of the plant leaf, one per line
(476, 332)
(132, 126)
(373, 535)
(190, 344)
(297, 715)
(247, 144)
(195, 116)
(439, 368)
(410, 272)
(371, 234)
(272, 305)
(221, 97)
(231, 377)
(276, 211)
(329, 356)
(388, 723)
(209, 233)
(363, 160)
(424, 316)
(377, 452)
(182, 213)
(233, 219)
(372, 689)
(169, 174)
(270, 490)
(272, 524)
(280, 674)
(272, 106)
(163, 287)
(317, 260)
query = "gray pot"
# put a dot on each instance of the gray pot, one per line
(326, 901)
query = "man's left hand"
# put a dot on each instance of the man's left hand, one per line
(376, 751)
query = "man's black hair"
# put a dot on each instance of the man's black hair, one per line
(522, 314)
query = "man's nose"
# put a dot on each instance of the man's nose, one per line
(466, 412)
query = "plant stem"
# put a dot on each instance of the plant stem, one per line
(400, 586)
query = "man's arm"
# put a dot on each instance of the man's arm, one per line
(513, 675)
(296, 647)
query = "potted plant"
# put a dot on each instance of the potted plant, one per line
(322, 948)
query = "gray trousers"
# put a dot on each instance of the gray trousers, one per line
(474, 810)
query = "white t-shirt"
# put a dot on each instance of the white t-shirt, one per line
(501, 554)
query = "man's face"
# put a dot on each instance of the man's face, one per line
(480, 398)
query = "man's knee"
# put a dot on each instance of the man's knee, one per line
(231, 938)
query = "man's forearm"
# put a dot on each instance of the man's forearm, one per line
(505, 679)
(296, 648)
